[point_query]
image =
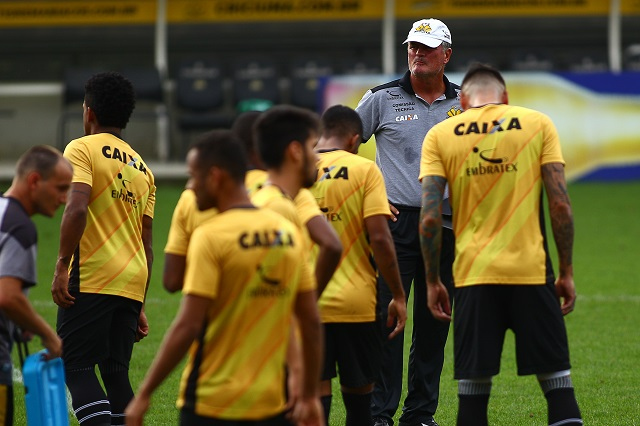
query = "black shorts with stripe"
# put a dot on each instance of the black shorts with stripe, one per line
(484, 313)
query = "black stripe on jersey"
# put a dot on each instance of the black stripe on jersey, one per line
(388, 85)
(192, 381)
(15, 221)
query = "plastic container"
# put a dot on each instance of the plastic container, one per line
(44, 388)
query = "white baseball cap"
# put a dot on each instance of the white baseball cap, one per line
(430, 32)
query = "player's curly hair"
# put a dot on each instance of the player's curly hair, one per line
(111, 97)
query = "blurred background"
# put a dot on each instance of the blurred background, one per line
(196, 64)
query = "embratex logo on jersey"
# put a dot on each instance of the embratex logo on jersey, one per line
(124, 193)
(495, 164)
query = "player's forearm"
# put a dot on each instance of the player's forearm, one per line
(330, 250)
(72, 227)
(311, 333)
(326, 264)
(430, 226)
(560, 214)
(19, 310)
(384, 254)
(312, 349)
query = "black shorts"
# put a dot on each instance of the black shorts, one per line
(189, 418)
(356, 349)
(96, 328)
(483, 313)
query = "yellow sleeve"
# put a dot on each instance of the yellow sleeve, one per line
(180, 232)
(306, 206)
(78, 155)
(551, 152)
(151, 201)
(430, 160)
(375, 194)
(202, 276)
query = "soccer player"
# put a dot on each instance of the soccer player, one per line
(496, 159)
(105, 255)
(285, 137)
(351, 192)
(42, 180)
(186, 217)
(244, 282)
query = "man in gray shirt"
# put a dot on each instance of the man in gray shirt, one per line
(399, 114)
(40, 185)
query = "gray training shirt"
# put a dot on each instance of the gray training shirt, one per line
(18, 240)
(400, 120)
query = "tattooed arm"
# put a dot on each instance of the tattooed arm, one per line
(431, 242)
(562, 226)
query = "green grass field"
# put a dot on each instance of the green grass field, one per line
(603, 329)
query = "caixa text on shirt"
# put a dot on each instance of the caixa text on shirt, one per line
(475, 127)
(123, 157)
(266, 238)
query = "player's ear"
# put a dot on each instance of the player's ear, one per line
(33, 179)
(295, 151)
(505, 97)
(464, 101)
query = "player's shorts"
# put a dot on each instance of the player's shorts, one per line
(356, 349)
(189, 418)
(96, 328)
(482, 315)
(6, 405)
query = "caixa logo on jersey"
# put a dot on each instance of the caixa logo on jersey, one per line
(407, 117)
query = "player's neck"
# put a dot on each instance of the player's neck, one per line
(429, 87)
(330, 143)
(236, 198)
(286, 180)
(20, 195)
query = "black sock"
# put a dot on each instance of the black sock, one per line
(472, 410)
(115, 377)
(358, 407)
(326, 405)
(89, 401)
(562, 406)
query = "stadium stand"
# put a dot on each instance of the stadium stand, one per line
(201, 98)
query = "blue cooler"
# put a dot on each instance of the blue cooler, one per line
(44, 389)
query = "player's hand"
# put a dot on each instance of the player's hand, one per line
(308, 412)
(397, 313)
(143, 326)
(566, 291)
(135, 411)
(394, 212)
(438, 301)
(60, 287)
(53, 344)
(294, 386)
